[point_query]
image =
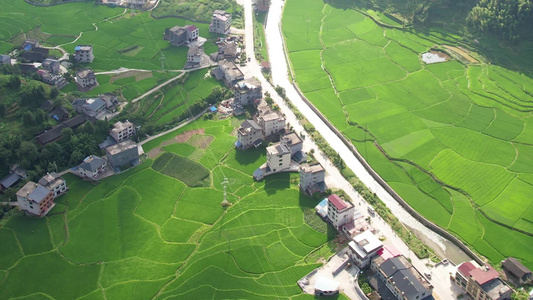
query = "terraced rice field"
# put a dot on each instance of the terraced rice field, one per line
(458, 138)
(143, 234)
(173, 100)
(119, 38)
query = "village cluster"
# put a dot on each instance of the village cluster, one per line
(284, 153)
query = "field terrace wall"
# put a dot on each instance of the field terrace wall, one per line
(52, 4)
(373, 173)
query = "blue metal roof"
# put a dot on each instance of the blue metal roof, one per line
(213, 109)
(28, 47)
(77, 48)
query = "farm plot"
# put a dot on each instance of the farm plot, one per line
(119, 39)
(468, 125)
(143, 234)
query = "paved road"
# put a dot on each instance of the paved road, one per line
(443, 289)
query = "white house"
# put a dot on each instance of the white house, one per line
(195, 56)
(54, 183)
(122, 130)
(86, 79)
(339, 211)
(220, 22)
(35, 199)
(91, 167)
(278, 157)
(363, 248)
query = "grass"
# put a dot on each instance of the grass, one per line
(191, 173)
(118, 30)
(143, 233)
(453, 140)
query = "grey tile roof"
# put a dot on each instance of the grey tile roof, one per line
(39, 193)
(92, 164)
(9, 180)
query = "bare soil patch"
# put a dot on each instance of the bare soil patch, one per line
(201, 141)
(154, 152)
(139, 75)
(184, 137)
(461, 54)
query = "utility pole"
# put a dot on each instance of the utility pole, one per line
(163, 60)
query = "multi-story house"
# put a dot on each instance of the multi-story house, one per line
(178, 35)
(195, 56)
(229, 72)
(122, 130)
(249, 134)
(91, 107)
(247, 91)
(84, 53)
(91, 167)
(52, 65)
(403, 280)
(123, 154)
(312, 178)
(363, 248)
(220, 22)
(340, 212)
(86, 80)
(54, 183)
(481, 282)
(35, 199)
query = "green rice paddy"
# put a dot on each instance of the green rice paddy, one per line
(119, 38)
(145, 234)
(458, 138)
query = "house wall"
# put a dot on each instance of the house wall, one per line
(273, 126)
(339, 218)
(279, 162)
(249, 96)
(123, 134)
(250, 138)
(123, 158)
(84, 56)
(308, 179)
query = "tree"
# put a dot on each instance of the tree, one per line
(28, 154)
(2, 109)
(28, 118)
(88, 128)
(13, 82)
(66, 134)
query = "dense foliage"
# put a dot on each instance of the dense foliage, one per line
(506, 19)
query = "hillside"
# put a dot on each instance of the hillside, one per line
(452, 138)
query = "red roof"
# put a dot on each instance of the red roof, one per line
(466, 268)
(480, 275)
(388, 252)
(265, 64)
(191, 27)
(337, 202)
